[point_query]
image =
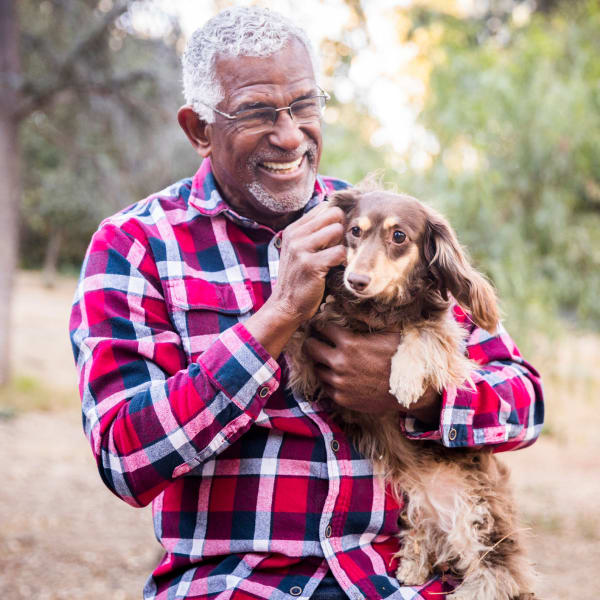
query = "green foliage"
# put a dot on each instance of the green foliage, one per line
(347, 153)
(518, 173)
(107, 140)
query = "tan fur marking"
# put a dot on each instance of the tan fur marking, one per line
(393, 273)
(389, 222)
(364, 223)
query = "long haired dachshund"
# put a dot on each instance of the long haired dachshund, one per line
(405, 270)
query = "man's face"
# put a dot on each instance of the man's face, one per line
(270, 174)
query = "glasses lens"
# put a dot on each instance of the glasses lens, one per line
(255, 119)
(308, 109)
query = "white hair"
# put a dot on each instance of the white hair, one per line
(239, 31)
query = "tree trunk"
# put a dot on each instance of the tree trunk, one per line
(51, 258)
(10, 182)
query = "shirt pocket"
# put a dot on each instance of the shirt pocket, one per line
(201, 309)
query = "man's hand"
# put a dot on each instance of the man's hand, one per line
(310, 247)
(354, 370)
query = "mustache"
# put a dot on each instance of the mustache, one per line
(307, 148)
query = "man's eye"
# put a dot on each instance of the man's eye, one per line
(252, 115)
(355, 231)
(398, 236)
(309, 107)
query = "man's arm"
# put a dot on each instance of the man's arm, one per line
(506, 408)
(151, 416)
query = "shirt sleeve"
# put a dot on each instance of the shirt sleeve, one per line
(149, 415)
(505, 408)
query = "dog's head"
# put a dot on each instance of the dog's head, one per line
(399, 248)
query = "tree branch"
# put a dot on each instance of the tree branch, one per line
(33, 98)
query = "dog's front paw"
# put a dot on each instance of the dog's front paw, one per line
(408, 372)
(411, 573)
(406, 390)
(407, 385)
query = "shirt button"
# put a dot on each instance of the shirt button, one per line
(264, 391)
(452, 434)
(335, 445)
(296, 590)
(277, 244)
(328, 531)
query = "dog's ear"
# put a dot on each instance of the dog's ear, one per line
(345, 199)
(453, 273)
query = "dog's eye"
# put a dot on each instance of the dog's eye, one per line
(355, 231)
(398, 236)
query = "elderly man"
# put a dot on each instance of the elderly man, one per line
(185, 303)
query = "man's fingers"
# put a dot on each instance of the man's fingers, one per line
(316, 219)
(320, 352)
(336, 334)
(331, 257)
(341, 337)
(329, 235)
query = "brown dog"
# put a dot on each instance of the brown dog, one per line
(405, 268)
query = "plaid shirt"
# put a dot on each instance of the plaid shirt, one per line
(256, 493)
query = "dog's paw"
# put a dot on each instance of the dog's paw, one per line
(407, 374)
(407, 390)
(410, 573)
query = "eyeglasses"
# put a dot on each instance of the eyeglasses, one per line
(302, 111)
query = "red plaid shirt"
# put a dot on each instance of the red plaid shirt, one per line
(255, 493)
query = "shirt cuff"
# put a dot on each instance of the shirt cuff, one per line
(456, 418)
(240, 366)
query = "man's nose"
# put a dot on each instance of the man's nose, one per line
(286, 133)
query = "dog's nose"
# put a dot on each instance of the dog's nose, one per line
(358, 281)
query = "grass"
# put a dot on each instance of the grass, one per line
(26, 393)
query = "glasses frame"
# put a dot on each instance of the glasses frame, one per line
(235, 116)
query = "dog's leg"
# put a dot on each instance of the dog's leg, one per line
(415, 567)
(429, 356)
(487, 583)
(409, 370)
(480, 533)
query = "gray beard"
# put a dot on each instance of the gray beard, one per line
(284, 203)
(288, 201)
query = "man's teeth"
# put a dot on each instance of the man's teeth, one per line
(281, 166)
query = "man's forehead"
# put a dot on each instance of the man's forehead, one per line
(288, 69)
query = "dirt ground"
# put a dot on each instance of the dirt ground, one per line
(63, 535)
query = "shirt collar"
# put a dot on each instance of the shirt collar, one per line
(206, 197)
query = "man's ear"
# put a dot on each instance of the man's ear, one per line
(196, 130)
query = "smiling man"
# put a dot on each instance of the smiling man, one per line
(185, 302)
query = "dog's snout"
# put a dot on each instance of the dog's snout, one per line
(358, 281)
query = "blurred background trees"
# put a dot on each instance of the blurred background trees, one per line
(513, 103)
(501, 127)
(87, 120)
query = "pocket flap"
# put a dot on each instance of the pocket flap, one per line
(196, 293)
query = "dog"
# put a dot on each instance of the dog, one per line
(405, 271)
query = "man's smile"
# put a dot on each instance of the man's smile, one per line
(282, 167)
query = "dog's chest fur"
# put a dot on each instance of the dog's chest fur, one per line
(363, 316)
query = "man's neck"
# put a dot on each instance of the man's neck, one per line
(275, 221)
